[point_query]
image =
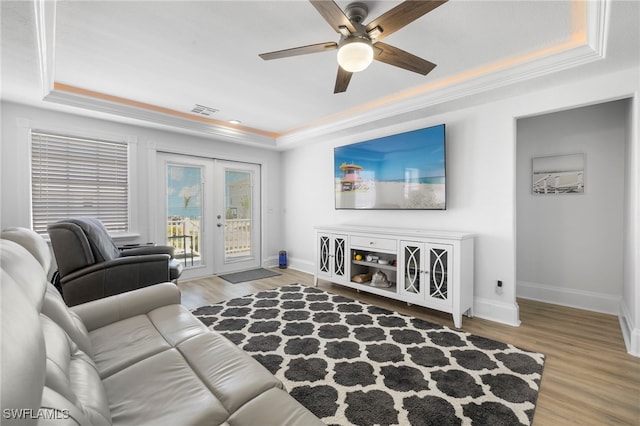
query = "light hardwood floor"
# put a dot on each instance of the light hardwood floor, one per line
(588, 378)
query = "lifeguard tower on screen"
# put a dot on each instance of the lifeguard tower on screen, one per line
(351, 179)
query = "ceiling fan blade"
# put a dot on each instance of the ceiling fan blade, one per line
(399, 58)
(342, 80)
(400, 16)
(332, 13)
(302, 50)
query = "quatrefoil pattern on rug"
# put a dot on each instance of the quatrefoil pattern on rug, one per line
(353, 363)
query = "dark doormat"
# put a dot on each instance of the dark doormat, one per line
(251, 275)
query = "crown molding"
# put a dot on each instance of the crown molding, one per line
(598, 13)
(223, 133)
(485, 83)
(45, 26)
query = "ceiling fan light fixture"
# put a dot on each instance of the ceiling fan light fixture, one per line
(355, 54)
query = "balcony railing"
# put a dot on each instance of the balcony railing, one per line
(185, 236)
(237, 237)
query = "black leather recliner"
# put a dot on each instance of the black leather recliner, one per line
(91, 266)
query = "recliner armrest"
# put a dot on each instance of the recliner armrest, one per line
(146, 250)
(102, 312)
(114, 263)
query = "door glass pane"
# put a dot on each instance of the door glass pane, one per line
(237, 241)
(184, 208)
(412, 269)
(438, 283)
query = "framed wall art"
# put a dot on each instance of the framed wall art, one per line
(558, 174)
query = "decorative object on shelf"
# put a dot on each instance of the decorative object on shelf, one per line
(405, 171)
(362, 278)
(379, 279)
(558, 174)
(383, 261)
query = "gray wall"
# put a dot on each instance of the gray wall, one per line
(570, 247)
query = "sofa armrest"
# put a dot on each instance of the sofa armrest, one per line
(101, 312)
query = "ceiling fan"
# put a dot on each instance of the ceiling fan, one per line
(359, 45)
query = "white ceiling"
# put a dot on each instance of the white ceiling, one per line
(154, 61)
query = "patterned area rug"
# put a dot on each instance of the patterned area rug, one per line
(353, 363)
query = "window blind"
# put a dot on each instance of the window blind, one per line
(73, 176)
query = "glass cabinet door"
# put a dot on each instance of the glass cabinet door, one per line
(324, 251)
(412, 264)
(332, 255)
(339, 256)
(426, 271)
(439, 272)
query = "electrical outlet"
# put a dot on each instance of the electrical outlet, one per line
(499, 287)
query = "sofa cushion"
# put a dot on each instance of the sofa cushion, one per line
(55, 309)
(273, 407)
(25, 270)
(31, 241)
(170, 394)
(23, 350)
(176, 323)
(232, 376)
(121, 344)
(72, 374)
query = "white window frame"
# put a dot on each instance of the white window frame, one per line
(130, 157)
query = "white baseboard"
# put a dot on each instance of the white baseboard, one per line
(292, 262)
(630, 333)
(588, 300)
(505, 313)
(302, 265)
(270, 262)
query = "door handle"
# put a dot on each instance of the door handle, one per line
(218, 225)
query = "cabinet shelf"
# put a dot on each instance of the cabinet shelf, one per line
(368, 287)
(375, 265)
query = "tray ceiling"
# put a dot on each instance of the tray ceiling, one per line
(155, 61)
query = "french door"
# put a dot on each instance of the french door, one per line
(210, 213)
(237, 210)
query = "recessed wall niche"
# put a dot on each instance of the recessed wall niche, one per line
(569, 249)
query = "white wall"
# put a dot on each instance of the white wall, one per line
(570, 247)
(15, 199)
(630, 306)
(481, 171)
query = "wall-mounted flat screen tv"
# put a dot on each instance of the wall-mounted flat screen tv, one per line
(404, 171)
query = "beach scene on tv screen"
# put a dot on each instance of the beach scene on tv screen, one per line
(403, 171)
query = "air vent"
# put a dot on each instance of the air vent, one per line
(203, 110)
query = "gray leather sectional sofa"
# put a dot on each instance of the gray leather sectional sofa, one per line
(137, 358)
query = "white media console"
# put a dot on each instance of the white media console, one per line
(433, 269)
